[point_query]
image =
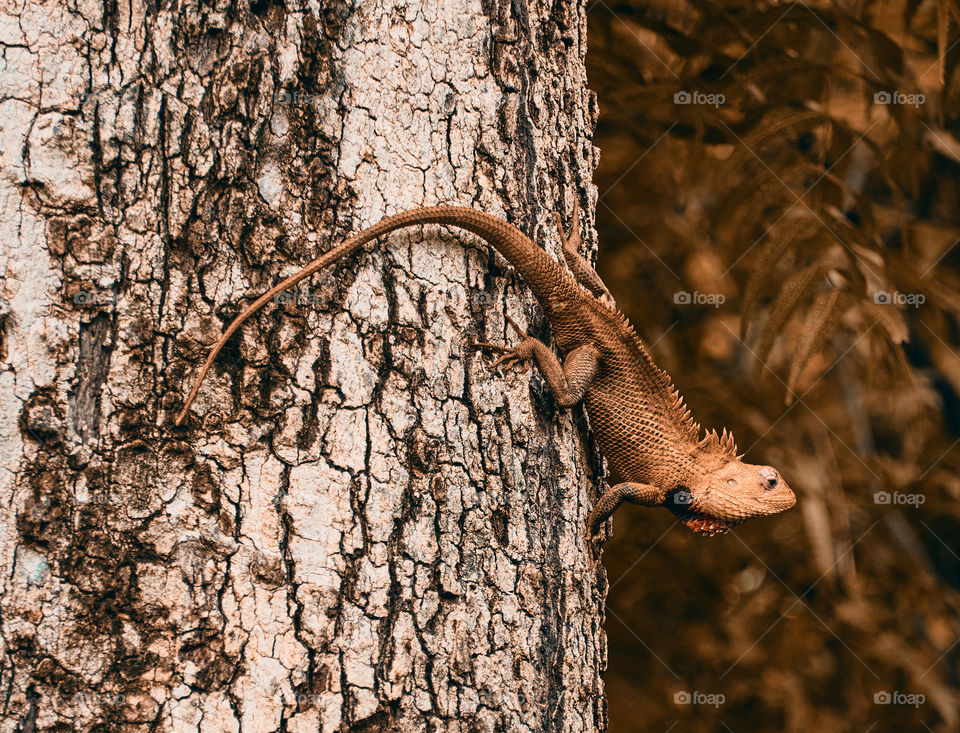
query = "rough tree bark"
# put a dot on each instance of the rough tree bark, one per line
(361, 527)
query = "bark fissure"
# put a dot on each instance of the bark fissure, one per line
(92, 368)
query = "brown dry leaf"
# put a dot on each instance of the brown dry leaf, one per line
(799, 230)
(945, 9)
(783, 307)
(820, 321)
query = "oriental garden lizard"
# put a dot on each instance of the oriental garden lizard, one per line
(641, 424)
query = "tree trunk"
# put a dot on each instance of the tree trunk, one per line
(361, 527)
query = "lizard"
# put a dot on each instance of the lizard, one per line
(642, 426)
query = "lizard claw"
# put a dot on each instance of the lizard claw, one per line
(592, 534)
(512, 358)
(570, 241)
(594, 549)
(516, 327)
(498, 347)
(519, 355)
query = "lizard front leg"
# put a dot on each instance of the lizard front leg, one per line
(643, 494)
(582, 272)
(567, 381)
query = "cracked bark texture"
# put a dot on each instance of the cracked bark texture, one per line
(361, 527)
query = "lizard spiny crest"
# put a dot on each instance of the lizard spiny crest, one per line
(723, 445)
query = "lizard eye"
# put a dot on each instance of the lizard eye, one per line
(769, 479)
(731, 482)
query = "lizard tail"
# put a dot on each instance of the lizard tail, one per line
(541, 273)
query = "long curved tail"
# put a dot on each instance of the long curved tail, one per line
(541, 273)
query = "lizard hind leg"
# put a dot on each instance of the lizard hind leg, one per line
(568, 381)
(584, 274)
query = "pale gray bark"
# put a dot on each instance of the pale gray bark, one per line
(361, 527)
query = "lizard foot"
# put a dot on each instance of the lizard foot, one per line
(521, 354)
(571, 241)
(595, 535)
(595, 543)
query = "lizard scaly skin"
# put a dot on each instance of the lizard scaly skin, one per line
(642, 426)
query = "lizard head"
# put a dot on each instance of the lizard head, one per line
(728, 491)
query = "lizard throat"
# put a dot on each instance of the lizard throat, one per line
(702, 523)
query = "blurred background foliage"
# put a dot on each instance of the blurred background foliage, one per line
(799, 162)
